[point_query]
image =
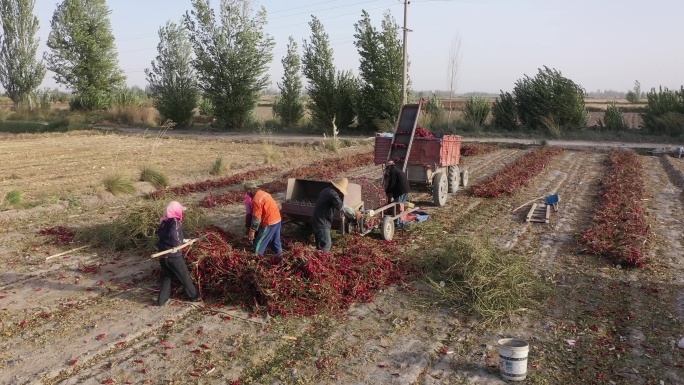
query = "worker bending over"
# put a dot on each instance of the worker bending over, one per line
(396, 184)
(328, 201)
(266, 221)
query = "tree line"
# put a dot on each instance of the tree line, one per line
(213, 58)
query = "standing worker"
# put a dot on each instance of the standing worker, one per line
(397, 184)
(173, 267)
(266, 221)
(328, 201)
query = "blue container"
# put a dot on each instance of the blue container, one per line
(551, 199)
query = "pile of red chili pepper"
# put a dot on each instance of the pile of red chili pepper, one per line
(304, 282)
(423, 133)
(327, 170)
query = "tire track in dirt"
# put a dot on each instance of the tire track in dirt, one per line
(574, 209)
(666, 208)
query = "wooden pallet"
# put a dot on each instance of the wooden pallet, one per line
(539, 213)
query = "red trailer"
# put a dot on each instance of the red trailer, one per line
(430, 163)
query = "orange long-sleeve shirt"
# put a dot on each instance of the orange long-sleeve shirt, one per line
(265, 210)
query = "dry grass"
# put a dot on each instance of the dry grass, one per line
(478, 278)
(144, 116)
(136, 228)
(118, 184)
(271, 153)
(157, 178)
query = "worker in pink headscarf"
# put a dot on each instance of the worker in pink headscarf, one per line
(173, 267)
(248, 207)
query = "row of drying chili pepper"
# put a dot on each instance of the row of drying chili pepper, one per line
(516, 174)
(619, 229)
(477, 149)
(210, 184)
(304, 282)
(324, 171)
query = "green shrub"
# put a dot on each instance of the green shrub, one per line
(613, 119)
(90, 101)
(14, 198)
(45, 98)
(550, 94)
(119, 184)
(126, 98)
(206, 106)
(154, 176)
(217, 168)
(289, 110)
(634, 94)
(664, 111)
(505, 112)
(476, 111)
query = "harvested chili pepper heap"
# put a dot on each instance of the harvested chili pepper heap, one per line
(306, 282)
(423, 133)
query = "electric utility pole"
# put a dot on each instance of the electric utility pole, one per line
(404, 75)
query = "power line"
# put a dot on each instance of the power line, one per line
(303, 6)
(281, 27)
(148, 35)
(327, 9)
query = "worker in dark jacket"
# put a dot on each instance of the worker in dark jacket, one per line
(173, 267)
(328, 201)
(396, 184)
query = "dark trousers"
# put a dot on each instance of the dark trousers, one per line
(323, 238)
(268, 236)
(175, 269)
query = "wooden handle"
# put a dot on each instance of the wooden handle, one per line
(169, 251)
(527, 203)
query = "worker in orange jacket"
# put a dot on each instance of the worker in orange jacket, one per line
(266, 221)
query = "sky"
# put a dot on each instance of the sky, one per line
(599, 44)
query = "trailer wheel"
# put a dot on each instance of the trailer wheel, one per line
(440, 189)
(464, 178)
(387, 228)
(454, 178)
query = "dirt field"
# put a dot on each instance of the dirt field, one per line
(59, 325)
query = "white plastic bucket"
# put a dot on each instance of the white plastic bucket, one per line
(513, 359)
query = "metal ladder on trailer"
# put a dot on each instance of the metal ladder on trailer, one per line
(404, 134)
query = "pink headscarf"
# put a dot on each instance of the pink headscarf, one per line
(248, 204)
(173, 210)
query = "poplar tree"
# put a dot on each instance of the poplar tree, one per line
(332, 94)
(380, 69)
(232, 57)
(83, 54)
(20, 71)
(172, 80)
(289, 106)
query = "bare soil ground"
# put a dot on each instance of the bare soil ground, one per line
(61, 325)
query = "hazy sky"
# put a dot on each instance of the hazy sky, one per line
(599, 44)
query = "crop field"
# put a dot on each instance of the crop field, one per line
(87, 316)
